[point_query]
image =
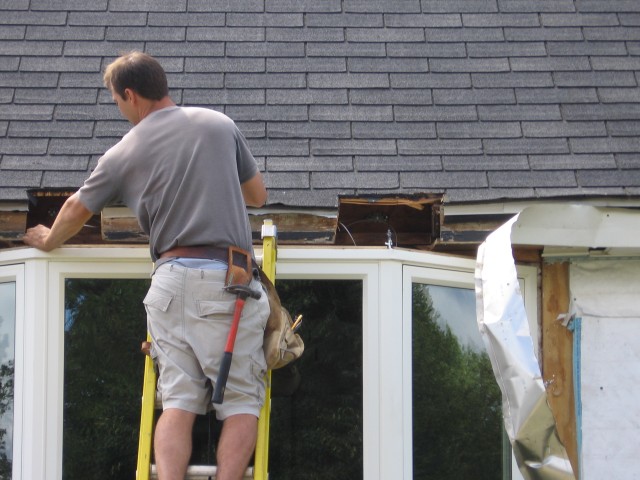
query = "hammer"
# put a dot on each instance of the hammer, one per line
(242, 292)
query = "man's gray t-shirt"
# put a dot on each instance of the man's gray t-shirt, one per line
(180, 171)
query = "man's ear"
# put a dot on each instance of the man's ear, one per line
(130, 95)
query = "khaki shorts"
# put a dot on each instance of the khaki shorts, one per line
(189, 316)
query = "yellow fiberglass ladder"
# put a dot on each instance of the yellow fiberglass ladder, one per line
(259, 471)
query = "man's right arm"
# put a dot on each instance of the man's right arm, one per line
(70, 220)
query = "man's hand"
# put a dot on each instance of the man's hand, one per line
(37, 237)
(72, 216)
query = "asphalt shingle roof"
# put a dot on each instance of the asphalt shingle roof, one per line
(478, 99)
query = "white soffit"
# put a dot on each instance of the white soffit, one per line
(578, 226)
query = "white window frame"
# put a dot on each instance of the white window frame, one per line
(15, 274)
(387, 451)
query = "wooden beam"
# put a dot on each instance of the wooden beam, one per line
(12, 225)
(557, 355)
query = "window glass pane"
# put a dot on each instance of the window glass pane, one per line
(105, 322)
(7, 357)
(316, 419)
(457, 420)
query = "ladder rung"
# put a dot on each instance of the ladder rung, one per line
(201, 472)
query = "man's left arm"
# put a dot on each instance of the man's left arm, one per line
(254, 191)
(70, 220)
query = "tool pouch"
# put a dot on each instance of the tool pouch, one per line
(282, 345)
(239, 271)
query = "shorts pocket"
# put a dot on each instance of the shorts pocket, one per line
(158, 300)
(215, 307)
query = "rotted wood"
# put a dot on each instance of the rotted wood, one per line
(13, 224)
(557, 355)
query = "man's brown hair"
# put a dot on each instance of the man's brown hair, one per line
(138, 71)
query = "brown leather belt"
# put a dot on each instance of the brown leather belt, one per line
(209, 252)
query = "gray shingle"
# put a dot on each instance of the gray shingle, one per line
(624, 128)
(440, 147)
(49, 5)
(263, 49)
(14, 4)
(308, 198)
(63, 179)
(519, 146)
(425, 50)
(4, 126)
(288, 180)
(195, 80)
(619, 95)
(224, 65)
(101, 48)
(23, 146)
(26, 112)
(556, 178)
(299, 96)
(36, 80)
(552, 64)
(190, 19)
(227, 5)
(353, 147)
(430, 80)
(390, 65)
(476, 96)
(30, 48)
(376, 96)
(112, 128)
(501, 49)
(605, 145)
(556, 95)
(9, 63)
(309, 130)
(501, 113)
(571, 162)
(460, 6)
(268, 80)
(348, 80)
(24, 179)
(536, 6)
(543, 34)
(224, 96)
(24, 162)
(279, 146)
(264, 19)
(610, 5)
(312, 164)
(615, 63)
(18, 17)
(586, 48)
(500, 19)
(629, 19)
(609, 178)
(415, 163)
(410, 113)
(352, 180)
(467, 34)
(485, 162)
(107, 18)
(412, 20)
(479, 130)
(148, 5)
(393, 130)
(58, 146)
(611, 33)
(220, 34)
(304, 64)
(344, 20)
(594, 79)
(62, 64)
(628, 160)
(370, 113)
(12, 33)
(519, 79)
(385, 35)
(276, 113)
(564, 129)
(253, 129)
(333, 49)
(474, 195)
(53, 130)
(443, 65)
(37, 32)
(276, 34)
(436, 181)
(578, 19)
(150, 34)
(302, 6)
(601, 112)
(85, 112)
(382, 6)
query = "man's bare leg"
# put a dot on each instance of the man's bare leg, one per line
(172, 443)
(236, 445)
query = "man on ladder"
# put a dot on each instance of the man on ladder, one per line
(188, 175)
